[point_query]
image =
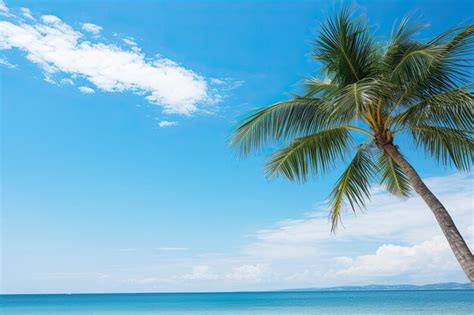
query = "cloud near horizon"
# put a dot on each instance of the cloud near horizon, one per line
(167, 123)
(92, 28)
(409, 244)
(60, 50)
(386, 218)
(86, 90)
(398, 241)
(392, 242)
(427, 258)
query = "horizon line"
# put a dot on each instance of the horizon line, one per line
(308, 289)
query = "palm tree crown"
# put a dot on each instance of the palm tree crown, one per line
(410, 87)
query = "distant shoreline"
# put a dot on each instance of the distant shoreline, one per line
(450, 286)
(394, 287)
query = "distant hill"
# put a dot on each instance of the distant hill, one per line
(395, 287)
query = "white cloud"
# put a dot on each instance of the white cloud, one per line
(201, 272)
(291, 255)
(51, 19)
(166, 123)
(133, 45)
(77, 275)
(393, 242)
(86, 90)
(428, 261)
(3, 8)
(27, 13)
(241, 273)
(254, 273)
(59, 49)
(171, 249)
(6, 63)
(386, 219)
(67, 81)
(91, 28)
(129, 41)
(149, 280)
(217, 81)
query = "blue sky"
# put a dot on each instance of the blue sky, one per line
(117, 175)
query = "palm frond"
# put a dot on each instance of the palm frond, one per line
(404, 33)
(281, 121)
(392, 177)
(355, 98)
(401, 40)
(450, 71)
(412, 86)
(354, 184)
(453, 51)
(320, 88)
(413, 63)
(345, 48)
(452, 109)
(446, 145)
(310, 155)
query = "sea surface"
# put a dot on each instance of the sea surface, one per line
(346, 302)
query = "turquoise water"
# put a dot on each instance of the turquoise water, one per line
(369, 302)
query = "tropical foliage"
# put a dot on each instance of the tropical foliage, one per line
(405, 87)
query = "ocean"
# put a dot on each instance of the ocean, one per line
(261, 303)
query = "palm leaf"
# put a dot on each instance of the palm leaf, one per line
(355, 98)
(354, 185)
(392, 177)
(413, 65)
(446, 145)
(345, 49)
(454, 50)
(450, 72)
(404, 33)
(316, 87)
(283, 120)
(310, 155)
(452, 109)
(410, 86)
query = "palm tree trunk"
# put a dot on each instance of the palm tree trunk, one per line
(458, 245)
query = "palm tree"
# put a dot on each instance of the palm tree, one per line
(405, 87)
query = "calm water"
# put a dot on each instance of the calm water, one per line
(374, 302)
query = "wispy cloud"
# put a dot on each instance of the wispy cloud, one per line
(86, 90)
(201, 272)
(98, 275)
(6, 63)
(66, 81)
(3, 8)
(410, 247)
(249, 272)
(129, 41)
(171, 249)
(91, 28)
(27, 13)
(386, 219)
(58, 49)
(166, 123)
(393, 241)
